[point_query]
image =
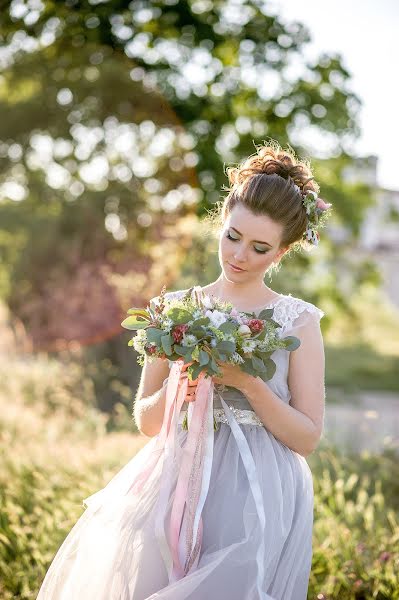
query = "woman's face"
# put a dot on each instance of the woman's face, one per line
(250, 242)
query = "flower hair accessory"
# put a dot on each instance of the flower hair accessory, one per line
(317, 212)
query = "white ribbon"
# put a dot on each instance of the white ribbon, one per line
(252, 475)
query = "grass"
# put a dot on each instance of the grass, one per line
(51, 460)
(359, 367)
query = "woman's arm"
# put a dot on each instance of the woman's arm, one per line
(149, 404)
(298, 425)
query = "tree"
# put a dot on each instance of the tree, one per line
(110, 113)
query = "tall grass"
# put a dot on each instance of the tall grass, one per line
(55, 450)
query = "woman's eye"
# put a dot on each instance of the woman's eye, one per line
(229, 237)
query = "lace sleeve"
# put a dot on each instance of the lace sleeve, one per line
(296, 314)
(168, 296)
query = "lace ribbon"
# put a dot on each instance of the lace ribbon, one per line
(241, 415)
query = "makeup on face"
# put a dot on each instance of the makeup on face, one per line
(236, 269)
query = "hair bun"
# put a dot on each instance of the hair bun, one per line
(271, 159)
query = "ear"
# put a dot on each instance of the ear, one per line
(280, 254)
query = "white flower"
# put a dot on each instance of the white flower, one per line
(140, 340)
(167, 324)
(229, 337)
(312, 194)
(248, 345)
(244, 330)
(207, 302)
(189, 340)
(236, 358)
(216, 317)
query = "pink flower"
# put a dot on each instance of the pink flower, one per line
(323, 205)
(358, 584)
(384, 556)
(178, 332)
(255, 325)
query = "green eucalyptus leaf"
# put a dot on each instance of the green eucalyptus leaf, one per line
(258, 364)
(227, 327)
(247, 367)
(292, 343)
(270, 368)
(166, 341)
(154, 335)
(194, 370)
(214, 365)
(203, 321)
(138, 312)
(135, 322)
(226, 346)
(203, 357)
(266, 313)
(181, 350)
(178, 315)
(264, 355)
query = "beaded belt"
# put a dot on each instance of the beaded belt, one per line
(242, 416)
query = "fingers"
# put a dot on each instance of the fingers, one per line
(191, 387)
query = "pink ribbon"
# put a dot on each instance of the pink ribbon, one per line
(182, 551)
(189, 483)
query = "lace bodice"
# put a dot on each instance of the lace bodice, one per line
(292, 314)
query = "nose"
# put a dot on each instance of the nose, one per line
(240, 254)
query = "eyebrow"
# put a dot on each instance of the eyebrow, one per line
(257, 241)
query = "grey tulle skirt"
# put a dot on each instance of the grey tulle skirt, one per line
(112, 552)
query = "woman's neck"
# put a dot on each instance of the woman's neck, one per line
(258, 293)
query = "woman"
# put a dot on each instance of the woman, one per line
(258, 513)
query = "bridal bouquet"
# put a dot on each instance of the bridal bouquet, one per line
(203, 330)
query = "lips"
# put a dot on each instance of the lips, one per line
(236, 268)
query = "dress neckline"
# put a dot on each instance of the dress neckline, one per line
(257, 310)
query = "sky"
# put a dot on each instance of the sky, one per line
(366, 34)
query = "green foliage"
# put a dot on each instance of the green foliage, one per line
(48, 149)
(360, 367)
(138, 319)
(356, 525)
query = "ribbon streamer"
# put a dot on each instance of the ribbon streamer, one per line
(180, 549)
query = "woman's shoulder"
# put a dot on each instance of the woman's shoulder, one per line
(288, 308)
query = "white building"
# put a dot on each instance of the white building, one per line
(379, 232)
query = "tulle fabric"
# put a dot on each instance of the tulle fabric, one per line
(112, 552)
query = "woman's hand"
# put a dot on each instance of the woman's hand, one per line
(192, 385)
(232, 375)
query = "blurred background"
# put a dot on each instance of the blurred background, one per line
(117, 120)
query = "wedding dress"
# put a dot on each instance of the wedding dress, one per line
(257, 516)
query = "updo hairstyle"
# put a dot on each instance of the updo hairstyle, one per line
(265, 183)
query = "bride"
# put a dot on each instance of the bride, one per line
(258, 513)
